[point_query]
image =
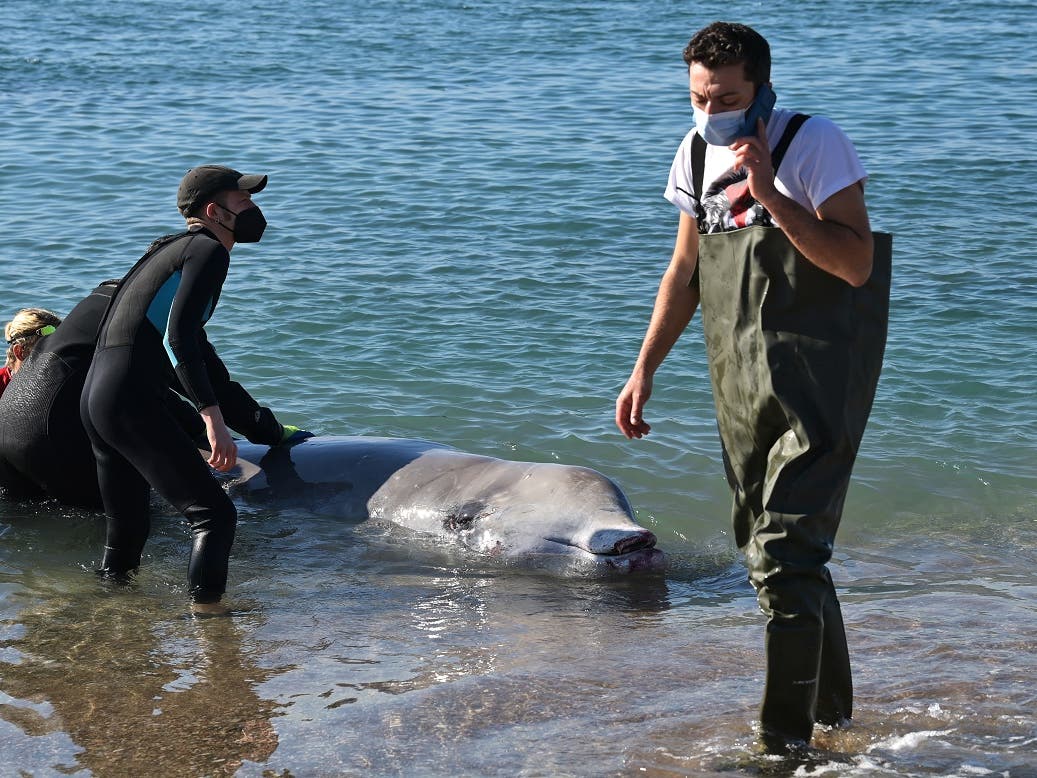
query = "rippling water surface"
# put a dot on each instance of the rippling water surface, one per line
(467, 231)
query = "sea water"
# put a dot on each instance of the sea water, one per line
(466, 235)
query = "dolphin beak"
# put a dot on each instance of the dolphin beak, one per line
(611, 542)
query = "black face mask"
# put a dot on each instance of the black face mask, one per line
(248, 224)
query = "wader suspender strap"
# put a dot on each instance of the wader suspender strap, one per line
(698, 152)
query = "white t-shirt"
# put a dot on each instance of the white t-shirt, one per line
(820, 161)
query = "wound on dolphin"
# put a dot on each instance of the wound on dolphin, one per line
(464, 516)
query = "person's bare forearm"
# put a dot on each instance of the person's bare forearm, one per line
(836, 237)
(675, 305)
(836, 248)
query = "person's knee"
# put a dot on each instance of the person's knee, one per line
(789, 592)
(212, 517)
(213, 521)
(783, 546)
(799, 604)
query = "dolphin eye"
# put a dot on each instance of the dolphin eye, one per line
(464, 516)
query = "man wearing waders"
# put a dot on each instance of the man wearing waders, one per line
(774, 242)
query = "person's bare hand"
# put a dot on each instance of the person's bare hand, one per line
(753, 153)
(630, 406)
(224, 451)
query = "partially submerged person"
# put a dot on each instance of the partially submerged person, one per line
(152, 330)
(44, 449)
(22, 333)
(774, 241)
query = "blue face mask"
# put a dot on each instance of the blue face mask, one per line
(720, 129)
(723, 129)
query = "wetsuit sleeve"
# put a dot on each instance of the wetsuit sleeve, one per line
(218, 373)
(247, 417)
(201, 281)
(240, 411)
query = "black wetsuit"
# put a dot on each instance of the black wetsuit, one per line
(153, 327)
(44, 449)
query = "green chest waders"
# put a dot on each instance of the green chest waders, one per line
(795, 355)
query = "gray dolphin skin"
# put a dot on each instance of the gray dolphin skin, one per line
(541, 513)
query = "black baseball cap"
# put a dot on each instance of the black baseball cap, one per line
(200, 183)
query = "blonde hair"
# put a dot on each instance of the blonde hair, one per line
(24, 330)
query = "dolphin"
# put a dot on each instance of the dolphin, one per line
(544, 513)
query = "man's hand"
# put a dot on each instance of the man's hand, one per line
(675, 304)
(630, 405)
(754, 154)
(836, 236)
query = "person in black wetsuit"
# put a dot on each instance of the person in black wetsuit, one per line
(154, 326)
(44, 449)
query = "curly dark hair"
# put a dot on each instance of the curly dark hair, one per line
(728, 43)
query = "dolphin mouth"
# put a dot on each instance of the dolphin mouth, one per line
(612, 542)
(641, 560)
(637, 542)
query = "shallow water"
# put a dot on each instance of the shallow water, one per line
(467, 231)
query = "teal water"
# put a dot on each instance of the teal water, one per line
(467, 231)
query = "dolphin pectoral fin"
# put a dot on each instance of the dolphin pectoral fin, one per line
(242, 471)
(247, 469)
